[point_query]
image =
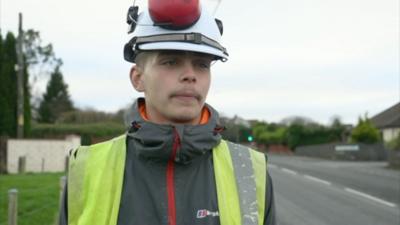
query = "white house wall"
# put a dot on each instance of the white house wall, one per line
(41, 155)
(390, 133)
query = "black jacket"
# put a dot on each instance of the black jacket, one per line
(160, 182)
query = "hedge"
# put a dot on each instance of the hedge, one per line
(87, 132)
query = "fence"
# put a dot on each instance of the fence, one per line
(13, 214)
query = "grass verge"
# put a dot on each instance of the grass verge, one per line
(38, 197)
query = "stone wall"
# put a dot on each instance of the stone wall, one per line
(394, 158)
(40, 155)
(344, 151)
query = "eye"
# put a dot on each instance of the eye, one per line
(203, 64)
(169, 62)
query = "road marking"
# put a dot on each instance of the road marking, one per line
(289, 171)
(317, 180)
(272, 166)
(370, 197)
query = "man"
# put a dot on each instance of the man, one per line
(172, 167)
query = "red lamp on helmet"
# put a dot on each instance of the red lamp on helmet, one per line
(174, 14)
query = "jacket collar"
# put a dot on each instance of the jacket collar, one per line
(155, 141)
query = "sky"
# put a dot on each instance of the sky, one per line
(311, 58)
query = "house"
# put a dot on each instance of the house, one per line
(388, 122)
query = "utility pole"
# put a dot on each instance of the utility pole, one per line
(20, 81)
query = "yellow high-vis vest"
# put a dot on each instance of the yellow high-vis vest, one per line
(96, 174)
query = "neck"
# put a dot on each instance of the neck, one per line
(160, 120)
(202, 118)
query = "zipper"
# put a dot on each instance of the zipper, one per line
(170, 179)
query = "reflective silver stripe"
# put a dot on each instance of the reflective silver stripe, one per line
(196, 38)
(245, 182)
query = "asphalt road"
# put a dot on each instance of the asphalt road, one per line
(321, 192)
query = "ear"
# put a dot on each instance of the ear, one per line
(136, 76)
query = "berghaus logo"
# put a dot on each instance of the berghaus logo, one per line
(202, 213)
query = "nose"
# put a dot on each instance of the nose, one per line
(188, 72)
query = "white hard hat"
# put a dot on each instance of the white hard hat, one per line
(203, 36)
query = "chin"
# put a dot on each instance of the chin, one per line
(186, 117)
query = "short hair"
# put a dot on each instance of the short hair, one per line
(144, 57)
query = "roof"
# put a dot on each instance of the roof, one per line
(388, 118)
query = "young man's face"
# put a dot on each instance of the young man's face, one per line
(175, 84)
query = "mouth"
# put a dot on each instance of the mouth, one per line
(186, 96)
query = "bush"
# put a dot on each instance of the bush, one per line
(365, 132)
(89, 116)
(310, 134)
(296, 133)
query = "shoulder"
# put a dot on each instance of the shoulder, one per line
(240, 147)
(74, 153)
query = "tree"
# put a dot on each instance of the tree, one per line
(56, 99)
(236, 129)
(365, 131)
(294, 135)
(339, 132)
(300, 120)
(8, 87)
(4, 82)
(40, 61)
(302, 132)
(269, 134)
(40, 58)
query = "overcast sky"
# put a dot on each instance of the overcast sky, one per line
(313, 58)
